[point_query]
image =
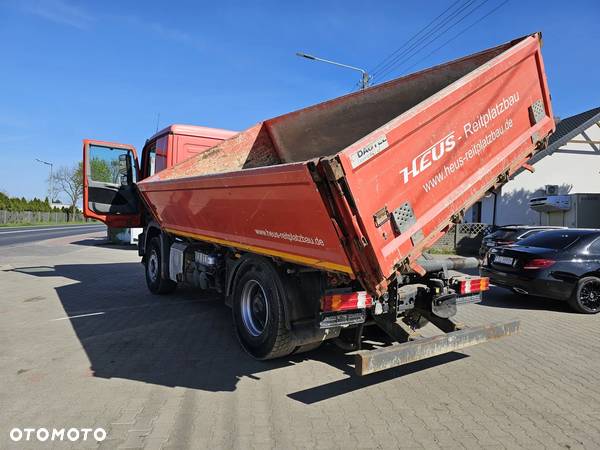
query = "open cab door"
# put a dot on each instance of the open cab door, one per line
(110, 172)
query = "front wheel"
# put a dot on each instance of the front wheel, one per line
(586, 296)
(152, 262)
(258, 311)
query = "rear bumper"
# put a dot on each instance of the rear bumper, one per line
(541, 286)
(371, 361)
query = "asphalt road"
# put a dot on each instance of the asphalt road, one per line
(84, 344)
(22, 235)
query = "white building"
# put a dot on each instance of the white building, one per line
(571, 161)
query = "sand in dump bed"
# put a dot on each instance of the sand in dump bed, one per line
(249, 149)
(327, 128)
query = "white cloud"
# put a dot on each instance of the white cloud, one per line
(65, 12)
(161, 31)
(58, 11)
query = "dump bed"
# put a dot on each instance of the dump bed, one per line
(363, 183)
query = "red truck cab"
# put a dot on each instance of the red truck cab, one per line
(112, 169)
(177, 143)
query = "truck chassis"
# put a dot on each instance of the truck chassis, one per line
(281, 308)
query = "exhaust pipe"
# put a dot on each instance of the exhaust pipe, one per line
(520, 291)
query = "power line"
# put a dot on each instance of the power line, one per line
(399, 55)
(425, 38)
(391, 55)
(394, 57)
(433, 37)
(459, 34)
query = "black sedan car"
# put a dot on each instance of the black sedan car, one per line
(510, 234)
(557, 264)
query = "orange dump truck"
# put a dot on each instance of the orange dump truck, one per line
(313, 224)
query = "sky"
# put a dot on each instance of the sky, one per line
(107, 69)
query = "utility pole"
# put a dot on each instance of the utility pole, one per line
(51, 181)
(364, 79)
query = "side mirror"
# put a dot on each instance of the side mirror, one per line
(125, 174)
(123, 164)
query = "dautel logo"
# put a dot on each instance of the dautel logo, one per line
(57, 434)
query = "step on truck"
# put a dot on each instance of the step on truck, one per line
(313, 224)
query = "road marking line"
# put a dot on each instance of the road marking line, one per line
(50, 229)
(80, 315)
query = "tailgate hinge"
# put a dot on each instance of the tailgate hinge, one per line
(334, 170)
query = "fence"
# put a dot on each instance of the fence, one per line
(463, 238)
(38, 217)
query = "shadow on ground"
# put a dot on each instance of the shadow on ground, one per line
(503, 298)
(184, 339)
(340, 387)
(498, 297)
(103, 242)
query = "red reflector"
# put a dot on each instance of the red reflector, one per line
(473, 285)
(539, 263)
(344, 302)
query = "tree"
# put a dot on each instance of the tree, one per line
(22, 204)
(101, 171)
(69, 180)
(4, 200)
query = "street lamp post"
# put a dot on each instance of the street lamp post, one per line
(364, 79)
(51, 190)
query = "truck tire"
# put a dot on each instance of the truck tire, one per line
(153, 263)
(586, 296)
(258, 311)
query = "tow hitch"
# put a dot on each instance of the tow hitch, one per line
(371, 361)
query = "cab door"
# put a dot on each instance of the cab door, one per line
(110, 173)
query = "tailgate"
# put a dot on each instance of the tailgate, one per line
(403, 183)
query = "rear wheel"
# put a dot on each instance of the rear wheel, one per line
(153, 264)
(586, 296)
(258, 311)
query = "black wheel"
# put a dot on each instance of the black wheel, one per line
(586, 296)
(258, 312)
(156, 283)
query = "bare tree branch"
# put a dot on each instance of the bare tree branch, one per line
(69, 180)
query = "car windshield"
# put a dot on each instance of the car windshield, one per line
(556, 240)
(504, 234)
(530, 233)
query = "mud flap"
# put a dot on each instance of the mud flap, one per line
(371, 361)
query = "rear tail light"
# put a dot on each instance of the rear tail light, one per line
(345, 302)
(539, 263)
(504, 242)
(472, 285)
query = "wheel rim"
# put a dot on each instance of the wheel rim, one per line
(589, 295)
(255, 308)
(153, 266)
